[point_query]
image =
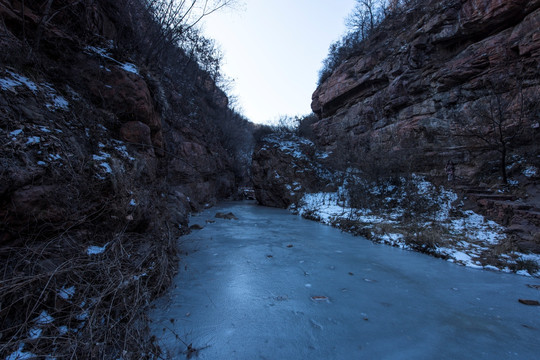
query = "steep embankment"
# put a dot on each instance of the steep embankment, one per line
(103, 156)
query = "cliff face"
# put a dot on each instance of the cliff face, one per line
(423, 81)
(76, 109)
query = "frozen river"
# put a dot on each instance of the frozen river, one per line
(271, 285)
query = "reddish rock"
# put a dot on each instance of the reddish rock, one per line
(136, 132)
(397, 101)
(37, 204)
(283, 172)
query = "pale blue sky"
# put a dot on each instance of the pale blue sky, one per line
(273, 50)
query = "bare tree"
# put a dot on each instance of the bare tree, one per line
(497, 120)
(367, 14)
(175, 19)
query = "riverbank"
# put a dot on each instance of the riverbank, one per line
(417, 215)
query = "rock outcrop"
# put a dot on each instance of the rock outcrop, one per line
(426, 72)
(285, 167)
(92, 114)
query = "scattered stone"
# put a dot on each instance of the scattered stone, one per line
(269, 256)
(316, 324)
(319, 298)
(529, 302)
(290, 246)
(196, 227)
(210, 221)
(227, 216)
(350, 273)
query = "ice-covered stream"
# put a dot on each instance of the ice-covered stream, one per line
(272, 285)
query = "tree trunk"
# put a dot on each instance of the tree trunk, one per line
(503, 164)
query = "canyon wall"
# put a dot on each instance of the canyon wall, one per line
(422, 87)
(84, 126)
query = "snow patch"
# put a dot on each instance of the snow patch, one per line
(129, 67)
(530, 171)
(44, 318)
(95, 250)
(15, 132)
(20, 354)
(33, 140)
(66, 293)
(34, 333)
(463, 239)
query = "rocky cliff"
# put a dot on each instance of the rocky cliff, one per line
(285, 167)
(425, 78)
(103, 157)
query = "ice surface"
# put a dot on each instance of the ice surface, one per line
(242, 293)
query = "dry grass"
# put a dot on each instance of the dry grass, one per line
(104, 318)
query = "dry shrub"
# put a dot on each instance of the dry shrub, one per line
(424, 239)
(385, 194)
(103, 319)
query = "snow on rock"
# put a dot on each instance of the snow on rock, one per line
(101, 160)
(129, 67)
(291, 147)
(530, 171)
(126, 66)
(7, 84)
(55, 101)
(16, 80)
(478, 228)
